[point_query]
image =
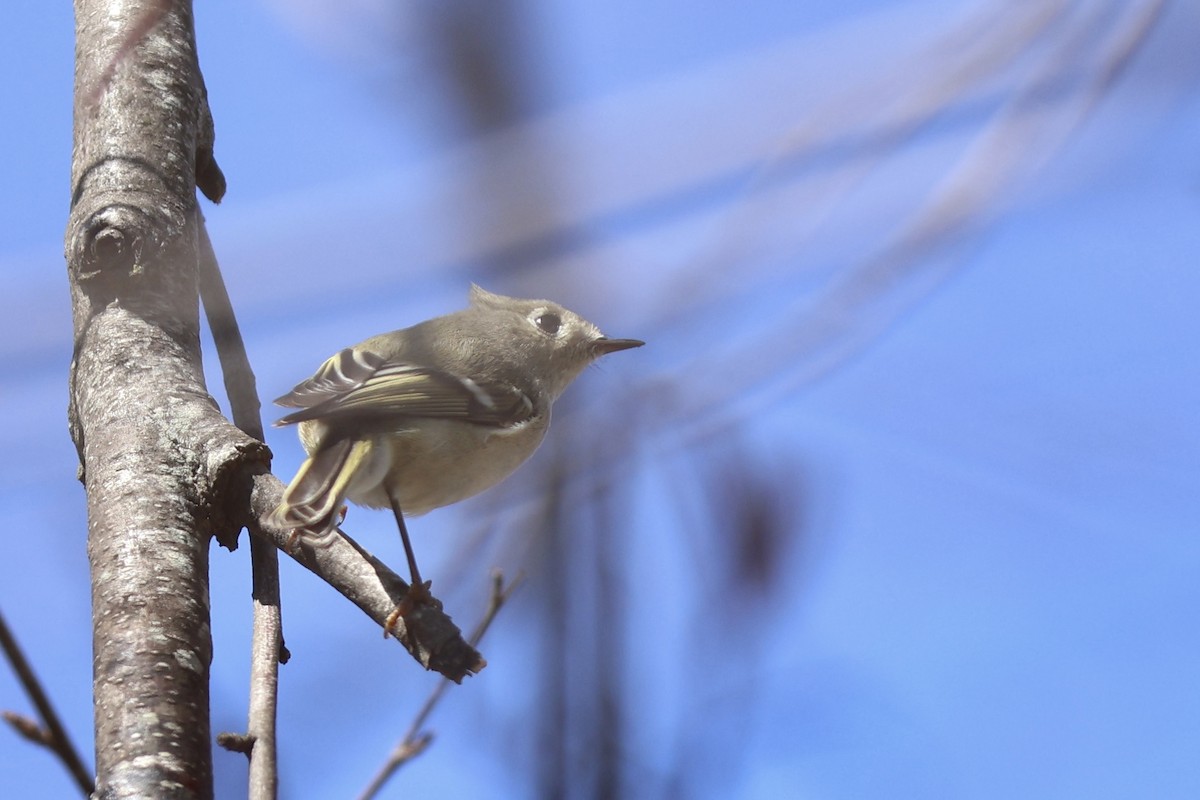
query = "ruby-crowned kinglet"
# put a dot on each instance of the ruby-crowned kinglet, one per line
(423, 417)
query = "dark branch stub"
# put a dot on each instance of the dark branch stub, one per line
(236, 743)
(112, 242)
(109, 247)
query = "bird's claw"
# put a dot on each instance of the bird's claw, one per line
(418, 595)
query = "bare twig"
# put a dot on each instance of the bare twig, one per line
(266, 648)
(240, 384)
(416, 740)
(267, 652)
(51, 733)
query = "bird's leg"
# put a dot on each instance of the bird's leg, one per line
(408, 551)
(418, 590)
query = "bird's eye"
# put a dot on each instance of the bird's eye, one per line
(548, 323)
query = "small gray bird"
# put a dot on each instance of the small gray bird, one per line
(423, 417)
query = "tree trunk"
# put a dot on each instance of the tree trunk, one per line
(153, 447)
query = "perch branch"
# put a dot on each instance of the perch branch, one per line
(427, 633)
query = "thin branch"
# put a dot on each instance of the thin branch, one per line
(266, 647)
(416, 740)
(267, 652)
(51, 733)
(240, 384)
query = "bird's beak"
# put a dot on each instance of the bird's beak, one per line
(604, 345)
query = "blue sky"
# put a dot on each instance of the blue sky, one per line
(990, 440)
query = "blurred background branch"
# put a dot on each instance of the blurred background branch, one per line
(50, 733)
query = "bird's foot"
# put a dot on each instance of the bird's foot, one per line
(418, 595)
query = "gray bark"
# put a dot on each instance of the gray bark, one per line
(156, 455)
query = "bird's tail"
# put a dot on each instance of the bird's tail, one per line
(312, 502)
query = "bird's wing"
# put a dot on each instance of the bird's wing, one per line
(361, 384)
